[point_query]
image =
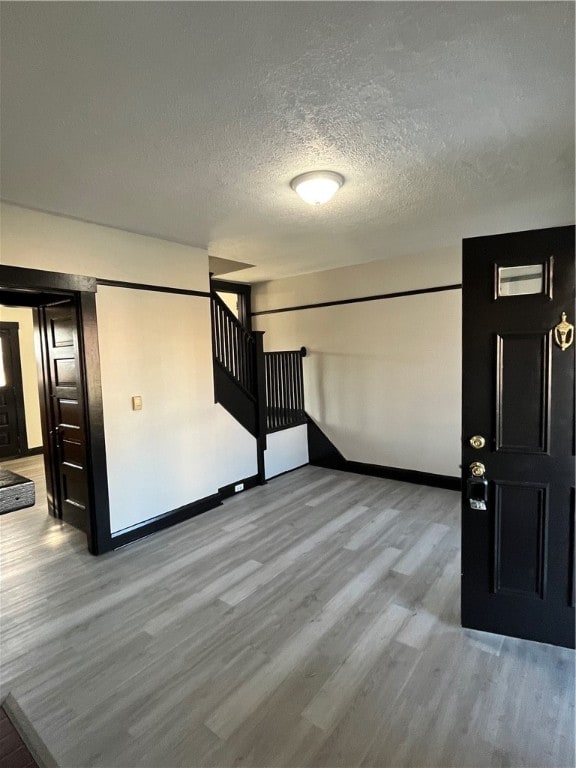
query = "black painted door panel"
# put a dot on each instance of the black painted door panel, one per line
(65, 412)
(518, 393)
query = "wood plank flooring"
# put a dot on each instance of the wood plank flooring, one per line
(310, 622)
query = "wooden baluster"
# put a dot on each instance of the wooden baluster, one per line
(260, 378)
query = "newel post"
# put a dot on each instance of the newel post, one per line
(261, 400)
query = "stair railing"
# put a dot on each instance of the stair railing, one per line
(263, 390)
(234, 347)
(284, 389)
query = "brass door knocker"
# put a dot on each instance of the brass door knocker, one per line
(564, 333)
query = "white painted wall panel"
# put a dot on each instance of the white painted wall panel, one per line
(41, 241)
(382, 378)
(416, 271)
(181, 446)
(286, 450)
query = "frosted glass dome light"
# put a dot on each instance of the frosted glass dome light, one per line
(317, 187)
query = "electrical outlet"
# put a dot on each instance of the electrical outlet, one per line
(239, 487)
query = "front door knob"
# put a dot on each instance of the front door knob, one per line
(477, 469)
(477, 441)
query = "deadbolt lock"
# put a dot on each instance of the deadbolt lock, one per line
(477, 441)
(477, 469)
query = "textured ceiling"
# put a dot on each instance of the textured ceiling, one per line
(188, 120)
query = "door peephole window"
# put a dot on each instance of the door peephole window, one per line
(519, 281)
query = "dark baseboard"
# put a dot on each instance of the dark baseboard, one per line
(34, 451)
(287, 471)
(228, 490)
(28, 452)
(405, 475)
(167, 520)
(323, 453)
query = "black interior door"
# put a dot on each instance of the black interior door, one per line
(12, 421)
(518, 422)
(65, 414)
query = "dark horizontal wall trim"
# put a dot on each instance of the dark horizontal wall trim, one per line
(392, 473)
(228, 490)
(229, 286)
(166, 520)
(147, 287)
(360, 300)
(40, 280)
(298, 423)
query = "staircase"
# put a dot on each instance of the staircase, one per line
(264, 392)
(236, 354)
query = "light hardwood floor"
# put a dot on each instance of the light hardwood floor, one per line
(310, 622)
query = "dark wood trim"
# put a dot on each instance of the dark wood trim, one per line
(167, 520)
(38, 451)
(249, 482)
(149, 287)
(260, 405)
(89, 355)
(360, 300)
(40, 280)
(323, 453)
(572, 550)
(180, 515)
(81, 290)
(287, 471)
(43, 399)
(300, 423)
(448, 482)
(31, 299)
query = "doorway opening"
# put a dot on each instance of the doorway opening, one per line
(69, 392)
(13, 430)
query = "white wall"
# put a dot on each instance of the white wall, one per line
(23, 316)
(382, 378)
(181, 447)
(57, 244)
(419, 270)
(286, 450)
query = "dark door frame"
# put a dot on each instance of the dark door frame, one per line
(34, 288)
(12, 329)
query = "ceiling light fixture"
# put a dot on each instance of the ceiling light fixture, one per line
(317, 187)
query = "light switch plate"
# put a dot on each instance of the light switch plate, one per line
(137, 403)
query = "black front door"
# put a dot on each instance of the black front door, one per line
(518, 435)
(12, 420)
(65, 425)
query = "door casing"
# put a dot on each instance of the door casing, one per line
(35, 288)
